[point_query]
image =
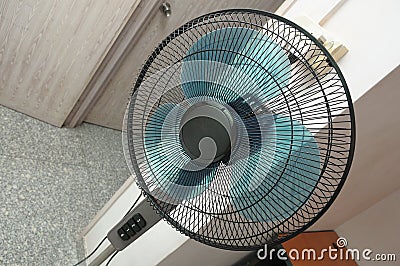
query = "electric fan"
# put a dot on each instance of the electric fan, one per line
(240, 131)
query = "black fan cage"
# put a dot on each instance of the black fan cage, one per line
(314, 96)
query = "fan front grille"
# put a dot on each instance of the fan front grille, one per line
(294, 120)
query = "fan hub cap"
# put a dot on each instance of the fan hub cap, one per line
(207, 132)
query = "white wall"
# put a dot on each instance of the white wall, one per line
(368, 28)
(376, 228)
(316, 10)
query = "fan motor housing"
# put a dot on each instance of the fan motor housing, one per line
(207, 132)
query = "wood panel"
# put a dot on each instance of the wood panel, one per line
(112, 61)
(109, 109)
(50, 48)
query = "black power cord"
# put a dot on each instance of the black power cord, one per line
(104, 239)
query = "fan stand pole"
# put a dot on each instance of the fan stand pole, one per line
(106, 253)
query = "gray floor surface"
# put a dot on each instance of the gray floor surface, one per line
(53, 181)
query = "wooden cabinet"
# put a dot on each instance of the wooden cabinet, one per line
(316, 241)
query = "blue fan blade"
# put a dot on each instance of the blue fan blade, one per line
(212, 47)
(152, 134)
(267, 65)
(178, 183)
(251, 52)
(215, 45)
(191, 183)
(288, 182)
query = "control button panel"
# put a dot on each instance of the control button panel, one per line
(134, 225)
(131, 227)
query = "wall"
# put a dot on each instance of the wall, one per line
(53, 181)
(49, 50)
(367, 29)
(376, 228)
